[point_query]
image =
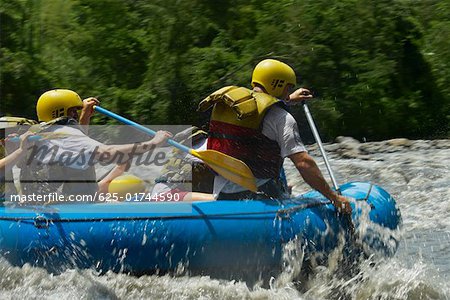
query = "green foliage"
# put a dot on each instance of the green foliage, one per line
(380, 68)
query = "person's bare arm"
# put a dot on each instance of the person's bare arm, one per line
(312, 175)
(110, 152)
(8, 162)
(87, 111)
(196, 196)
(115, 172)
(299, 95)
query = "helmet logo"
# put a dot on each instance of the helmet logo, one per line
(277, 83)
(58, 113)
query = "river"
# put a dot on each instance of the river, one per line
(416, 173)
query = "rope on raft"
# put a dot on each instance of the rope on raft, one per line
(280, 212)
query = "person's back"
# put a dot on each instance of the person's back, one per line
(256, 127)
(61, 165)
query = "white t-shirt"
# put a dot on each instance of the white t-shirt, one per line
(280, 126)
(74, 151)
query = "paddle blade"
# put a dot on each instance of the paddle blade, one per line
(229, 167)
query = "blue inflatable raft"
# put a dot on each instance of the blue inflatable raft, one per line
(204, 237)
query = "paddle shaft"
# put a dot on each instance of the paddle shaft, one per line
(319, 143)
(225, 165)
(139, 127)
(16, 139)
(309, 117)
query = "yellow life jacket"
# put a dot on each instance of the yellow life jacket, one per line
(235, 128)
(6, 122)
(238, 106)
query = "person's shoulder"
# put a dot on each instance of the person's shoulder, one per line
(277, 114)
(73, 135)
(275, 110)
(71, 129)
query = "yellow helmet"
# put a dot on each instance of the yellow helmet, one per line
(273, 75)
(55, 103)
(126, 183)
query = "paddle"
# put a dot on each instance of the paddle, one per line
(325, 159)
(227, 166)
(319, 143)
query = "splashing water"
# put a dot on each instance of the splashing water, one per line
(419, 180)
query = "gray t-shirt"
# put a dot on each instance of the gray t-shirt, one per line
(280, 126)
(74, 150)
(62, 164)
